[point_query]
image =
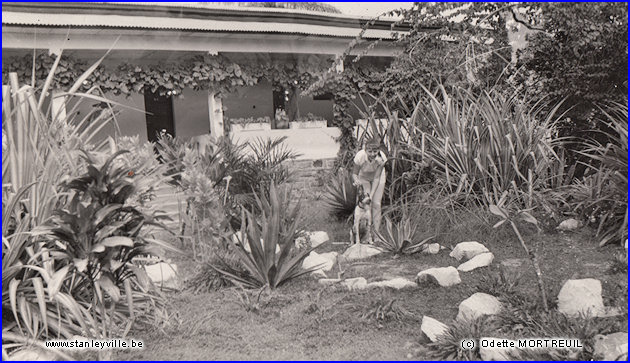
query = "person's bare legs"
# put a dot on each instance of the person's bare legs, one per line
(376, 203)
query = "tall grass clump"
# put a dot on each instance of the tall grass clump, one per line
(602, 195)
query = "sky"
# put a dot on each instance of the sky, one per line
(368, 8)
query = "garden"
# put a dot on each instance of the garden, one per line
(504, 212)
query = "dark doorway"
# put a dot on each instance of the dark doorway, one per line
(159, 115)
(279, 108)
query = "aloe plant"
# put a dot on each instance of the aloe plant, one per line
(274, 229)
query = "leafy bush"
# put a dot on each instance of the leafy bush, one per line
(274, 229)
(498, 282)
(310, 117)
(96, 236)
(383, 310)
(249, 120)
(523, 317)
(171, 152)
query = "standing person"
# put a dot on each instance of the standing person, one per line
(369, 171)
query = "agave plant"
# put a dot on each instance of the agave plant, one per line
(272, 259)
(341, 195)
(398, 237)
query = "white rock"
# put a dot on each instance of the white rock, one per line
(32, 354)
(357, 283)
(397, 283)
(432, 328)
(444, 276)
(360, 251)
(611, 347)
(326, 261)
(432, 248)
(569, 225)
(318, 237)
(581, 297)
(468, 250)
(163, 275)
(482, 260)
(477, 305)
(315, 238)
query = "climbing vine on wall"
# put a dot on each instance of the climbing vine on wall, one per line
(215, 73)
(345, 87)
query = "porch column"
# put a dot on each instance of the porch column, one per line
(58, 106)
(215, 110)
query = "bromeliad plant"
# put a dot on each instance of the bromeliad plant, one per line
(270, 258)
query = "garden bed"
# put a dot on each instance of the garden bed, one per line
(305, 321)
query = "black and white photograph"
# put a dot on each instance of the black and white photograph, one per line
(314, 181)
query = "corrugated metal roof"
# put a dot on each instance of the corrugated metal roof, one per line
(188, 24)
(197, 5)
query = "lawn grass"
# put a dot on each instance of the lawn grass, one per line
(304, 320)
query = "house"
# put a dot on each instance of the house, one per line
(195, 67)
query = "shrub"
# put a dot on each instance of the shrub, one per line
(498, 282)
(171, 152)
(42, 289)
(524, 318)
(96, 236)
(249, 120)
